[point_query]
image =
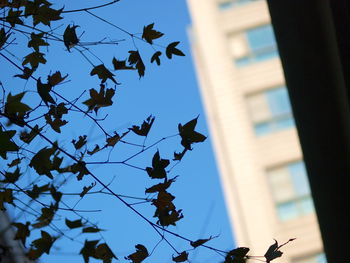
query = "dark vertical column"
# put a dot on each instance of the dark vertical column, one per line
(318, 89)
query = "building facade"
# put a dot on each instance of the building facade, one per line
(252, 128)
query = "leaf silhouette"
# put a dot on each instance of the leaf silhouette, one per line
(42, 163)
(140, 254)
(37, 41)
(74, 224)
(56, 78)
(14, 106)
(200, 242)
(99, 99)
(91, 229)
(11, 177)
(34, 59)
(237, 255)
(103, 73)
(158, 167)
(43, 90)
(37, 190)
(5, 197)
(189, 135)
(149, 34)
(182, 257)
(161, 187)
(28, 137)
(7, 145)
(172, 50)
(104, 253)
(88, 250)
(47, 214)
(136, 60)
(155, 57)
(42, 245)
(145, 126)
(120, 65)
(80, 143)
(22, 232)
(273, 252)
(86, 189)
(70, 38)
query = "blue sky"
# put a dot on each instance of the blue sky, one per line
(170, 93)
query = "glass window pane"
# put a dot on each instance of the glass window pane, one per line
(261, 38)
(279, 101)
(259, 108)
(287, 211)
(225, 5)
(306, 206)
(299, 177)
(281, 185)
(270, 111)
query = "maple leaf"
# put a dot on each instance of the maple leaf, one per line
(172, 50)
(104, 253)
(42, 245)
(5, 197)
(86, 189)
(149, 34)
(120, 65)
(161, 187)
(26, 73)
(44, 14)
(37, 190)
(155, 57)
(11, 177)
(112, 141)
(55, 78)
(3, 37)
(13, 17)
(135, 59)
(80, 143)
(237, 255)
(42, 163)
(47, 215)
(182, 257)
(28, 137)
(15, 109)
(103, 73)
(91, 229)
(34, 59)
(22, 232)
(73, 224)
(189, 135)
(55, 124)
(89, 250)
(7, 145)
(200, 242)
(99, 99)
(15, 162)
(140, 254)
(158, 167)
(43, 90)
(70, 38)
(274, 252)
(37, 41)
(145, 126)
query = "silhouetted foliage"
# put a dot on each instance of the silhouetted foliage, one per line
(45, 111)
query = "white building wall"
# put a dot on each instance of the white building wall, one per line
(242, 157)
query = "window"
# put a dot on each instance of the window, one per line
(290, 190)
(253, 45)
(227, 4)
(318, 258)
(270, 111)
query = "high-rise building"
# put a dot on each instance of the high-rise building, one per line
(252, 128)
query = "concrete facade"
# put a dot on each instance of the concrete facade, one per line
(244, 158)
